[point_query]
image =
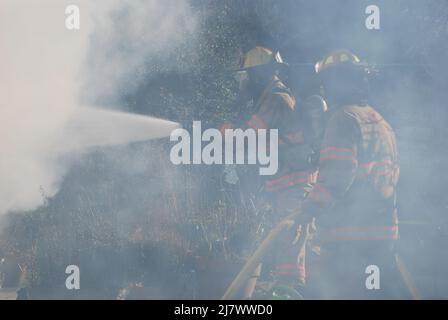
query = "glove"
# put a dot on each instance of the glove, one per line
(230, 174)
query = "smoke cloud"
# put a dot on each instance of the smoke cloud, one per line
(48, 71)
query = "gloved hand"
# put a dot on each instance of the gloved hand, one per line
(230, 174)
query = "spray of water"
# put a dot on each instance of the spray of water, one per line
(89, 127)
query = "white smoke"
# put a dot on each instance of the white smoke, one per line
(136, 38)
(41, 83)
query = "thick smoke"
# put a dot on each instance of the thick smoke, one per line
(133, 41)
(40, 59)
(42, 85)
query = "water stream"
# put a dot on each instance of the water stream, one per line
(91, 127)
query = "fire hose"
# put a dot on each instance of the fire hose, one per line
(266, 244)
(257, 256)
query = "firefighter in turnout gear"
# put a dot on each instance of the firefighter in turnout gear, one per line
(275, 107)
(354, 198)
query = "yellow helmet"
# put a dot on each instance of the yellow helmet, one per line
(260, 56)
(336, 58)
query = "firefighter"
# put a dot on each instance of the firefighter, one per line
(353, 200)
(273, 106)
